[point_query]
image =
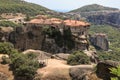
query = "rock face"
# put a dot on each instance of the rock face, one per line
(4, 33)
(78, 73)
(59, 35)
(103, 69)
(112, 18)
(29, 37)
(100, 41)
(49, 45)
(99, 14)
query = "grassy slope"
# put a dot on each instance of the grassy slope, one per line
(19, 6)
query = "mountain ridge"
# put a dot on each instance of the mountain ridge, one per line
(93, 7)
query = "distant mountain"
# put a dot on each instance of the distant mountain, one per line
(93, 7)
(112, 19)
(98, 14)
(20, 6)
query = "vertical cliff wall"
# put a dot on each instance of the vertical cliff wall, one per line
(29, 37)
(100, 41)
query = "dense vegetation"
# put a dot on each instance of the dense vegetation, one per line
(93, 7)
(61, 40)
(113, 37)
(24, 66)
(9, 24)
(20, 6)
(77, 58)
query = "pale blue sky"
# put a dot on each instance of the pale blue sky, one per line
(67, 5)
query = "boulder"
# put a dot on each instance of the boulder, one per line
(103, 70)
(78, 73)
(63, 56)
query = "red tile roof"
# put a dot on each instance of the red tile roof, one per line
(75, 23)
(46, 21)
(72, 23)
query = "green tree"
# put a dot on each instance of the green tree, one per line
(68, 40)
(24, 66)
(77, 58)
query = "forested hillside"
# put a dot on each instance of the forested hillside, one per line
(20, 6)
(93, 7)
(114, 39)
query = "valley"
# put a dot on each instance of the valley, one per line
(37, 43)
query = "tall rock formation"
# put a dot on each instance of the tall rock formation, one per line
(100, 41)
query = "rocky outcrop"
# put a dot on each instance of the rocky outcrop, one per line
(103, 70)
(40, 54)
(49, 45)
(4, 33)
(100, 41)
(62, 56)
(93, 56)
(29, 37)
(78, 73)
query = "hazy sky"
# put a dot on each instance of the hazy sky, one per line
(66, 5)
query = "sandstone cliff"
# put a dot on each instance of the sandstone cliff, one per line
(100, 41)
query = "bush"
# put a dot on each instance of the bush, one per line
(112, 55)
(77, 58)
(116, 72)
(6, 48)
(8, 24)
(5, 60)
(24, 66)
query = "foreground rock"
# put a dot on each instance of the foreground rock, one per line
(55, 70)
(103, 69)
(82, 72)
(62, 56)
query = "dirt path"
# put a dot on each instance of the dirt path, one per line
(58, 68)
(5, 69)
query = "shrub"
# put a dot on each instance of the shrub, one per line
(5, 60)
(24, 66)
(77, 58)
(6, 48)
(8, 24)
(116, 72)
